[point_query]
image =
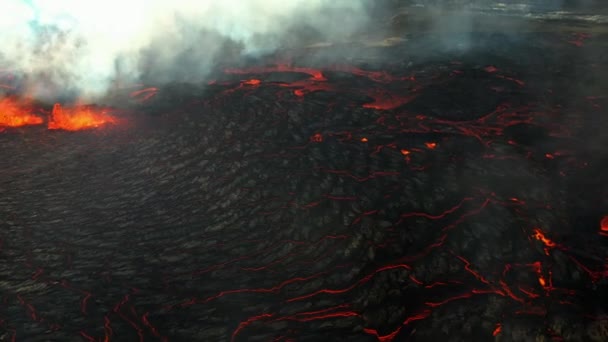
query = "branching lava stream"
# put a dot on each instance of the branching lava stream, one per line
(461, 197)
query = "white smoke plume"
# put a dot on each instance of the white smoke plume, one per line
(82, 48)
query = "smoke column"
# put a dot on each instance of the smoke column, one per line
(80, 48)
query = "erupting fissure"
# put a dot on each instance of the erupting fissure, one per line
(78, 118)
(15, 114)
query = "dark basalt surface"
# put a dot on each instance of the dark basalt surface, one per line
(467, 209)
(459, 99)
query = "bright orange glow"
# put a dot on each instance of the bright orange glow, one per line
(604, 224)
(14, 114)
(431, 145)
(364, 139)
(252, 82)
(540, 236)
(318, 137)
(405, 152)
(78, 118)
(539, 272)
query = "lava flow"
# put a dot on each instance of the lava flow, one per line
(381, 97)
(78, 118)
(396, 200)
(14, 113)
(144, 95)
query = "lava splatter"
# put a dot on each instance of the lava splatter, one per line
(78, 118)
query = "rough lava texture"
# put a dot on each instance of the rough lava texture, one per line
(446, 197)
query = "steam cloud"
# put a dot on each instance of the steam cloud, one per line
(81, 49)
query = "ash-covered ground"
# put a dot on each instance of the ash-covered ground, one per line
(450, 195)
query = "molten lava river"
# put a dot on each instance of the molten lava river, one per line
(457, 197)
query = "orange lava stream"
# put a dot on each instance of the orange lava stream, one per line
(144, 94)
(252, 82)
(14, 114)
(540, 236)
(78, 118)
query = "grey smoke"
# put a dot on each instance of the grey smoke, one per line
(83, 48)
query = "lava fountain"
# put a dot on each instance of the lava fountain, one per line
(15, 114)
(78, 118)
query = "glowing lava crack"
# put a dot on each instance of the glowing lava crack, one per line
(444, 201)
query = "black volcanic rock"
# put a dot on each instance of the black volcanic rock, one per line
(462, 98)
(250, 213)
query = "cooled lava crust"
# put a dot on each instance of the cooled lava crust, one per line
(444, 196)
